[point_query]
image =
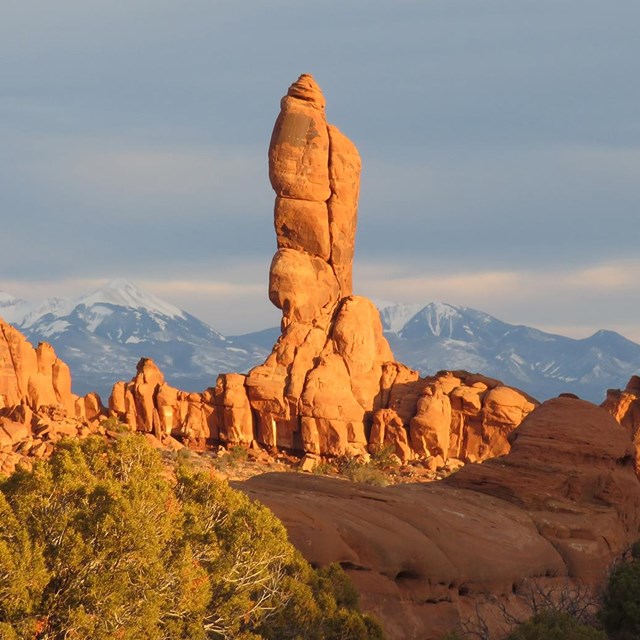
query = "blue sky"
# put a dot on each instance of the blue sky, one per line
(500, 144)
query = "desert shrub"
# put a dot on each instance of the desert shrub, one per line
(385, 458)
(112, 423)
(367, 474)
(238, 454)
(356, 470)
(98, 542)
(621, 600)
(554, 625)
(231, 459)
(323, 468)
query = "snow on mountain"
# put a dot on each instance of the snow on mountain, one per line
(11, 309)
(394, 315)
(444, 336)
(103, 334)
(7, 299)
(124, 293)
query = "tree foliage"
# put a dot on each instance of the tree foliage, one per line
(555, 625)
(621, 603)
(101, 541)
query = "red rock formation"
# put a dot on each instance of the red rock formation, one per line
(624, 406)
(37, 407)
(330, 386)
(32, 379)
(559, 508)
(320, 383)
(150, 405)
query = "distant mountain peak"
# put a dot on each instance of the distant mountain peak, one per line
(7, 298)
(124, 293)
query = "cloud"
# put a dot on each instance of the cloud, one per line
(533, 206)
(138, 179)
(576, 301)
(497, 139)
(162, 173)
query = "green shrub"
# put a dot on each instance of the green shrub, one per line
(621, 602)
(98, 543)
(354, 469)
(385, 458)
(554, 625)
(323, 468)
(114, 424)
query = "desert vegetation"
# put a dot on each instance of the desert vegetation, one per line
(575, 613)
(103, 540)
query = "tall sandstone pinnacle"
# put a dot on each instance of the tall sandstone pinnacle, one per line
(322, 378)
(331, 385)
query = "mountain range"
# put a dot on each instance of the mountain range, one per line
(103, 334)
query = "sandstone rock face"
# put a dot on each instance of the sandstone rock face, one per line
(624, 406)
(37, 407)
(557, 509)
(331, 385)
(148, 404)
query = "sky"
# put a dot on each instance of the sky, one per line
(500, 142)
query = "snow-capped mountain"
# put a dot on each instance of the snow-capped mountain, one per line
(444, 336)
(103, 334)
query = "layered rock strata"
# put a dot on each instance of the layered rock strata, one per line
(549, 517)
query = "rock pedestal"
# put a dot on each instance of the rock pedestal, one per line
(330, 385)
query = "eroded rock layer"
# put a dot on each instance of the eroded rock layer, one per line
(554, 512)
